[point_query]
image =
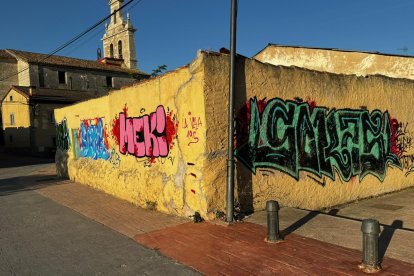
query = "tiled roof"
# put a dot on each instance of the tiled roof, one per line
(55, 95)
(36, 58)
(5, 55)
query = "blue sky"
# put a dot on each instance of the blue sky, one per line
(170, 32)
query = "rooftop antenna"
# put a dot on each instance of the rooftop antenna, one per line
(99, 53)
(404, 50)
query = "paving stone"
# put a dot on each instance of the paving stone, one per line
(117, 214)
(210, 248)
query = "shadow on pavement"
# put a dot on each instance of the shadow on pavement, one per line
(295, 226)
(18, 161)
(14, 185)
(386, 236)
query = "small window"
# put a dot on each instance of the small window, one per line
(120, 49)
(62, 77)
(111, 50)
(12, 119)
(109, 82)
(51, 117)
(11, 98)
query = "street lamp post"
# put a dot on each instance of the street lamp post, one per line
(230, 154)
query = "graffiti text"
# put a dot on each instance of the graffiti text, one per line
(93, 139)
(292, 137)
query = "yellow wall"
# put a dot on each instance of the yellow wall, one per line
(19, 107)
(20, 130)
(174, 183)
(193, 175)
(315, 89)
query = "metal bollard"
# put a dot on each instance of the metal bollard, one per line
(370, 232)
(273, 234)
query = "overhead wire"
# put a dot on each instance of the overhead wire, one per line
(95, 34)
(71, 41)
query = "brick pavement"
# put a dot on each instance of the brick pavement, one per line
(117, 214)
(213, 249)
(240, 250)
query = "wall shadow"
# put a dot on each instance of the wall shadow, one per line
(29, 141)
(244, 186)
(386, 236)
(10, 159)
(1, 135)
(15, 185)
(61, 160)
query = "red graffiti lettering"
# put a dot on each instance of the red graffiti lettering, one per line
(192, 123)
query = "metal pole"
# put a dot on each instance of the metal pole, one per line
(370, 230)
(230, 154)
(273, 234)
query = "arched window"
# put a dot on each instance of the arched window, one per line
(120, 49)
(111, 50)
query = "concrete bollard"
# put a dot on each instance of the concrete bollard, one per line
(273, 234)
(370, 232)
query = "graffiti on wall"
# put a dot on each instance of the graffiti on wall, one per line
(191, 124)
(62, 135)
(290, 137)
(147, 135)
(93, 139)
(401, 138)
(114, 159)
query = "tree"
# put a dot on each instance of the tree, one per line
(160, 69)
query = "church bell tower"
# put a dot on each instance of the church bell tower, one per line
(119, 38)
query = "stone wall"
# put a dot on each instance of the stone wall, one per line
(7, 68)
(83, 80)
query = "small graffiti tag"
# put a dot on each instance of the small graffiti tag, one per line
(114, 159)
(402, 140)
(191, 124)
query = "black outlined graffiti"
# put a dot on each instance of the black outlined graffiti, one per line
(292, 137)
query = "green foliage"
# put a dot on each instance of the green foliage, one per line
(160, 69)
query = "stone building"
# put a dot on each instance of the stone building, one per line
(339, 61)
(64, 74)
(26, 69)
(119, 38)
(28, 117)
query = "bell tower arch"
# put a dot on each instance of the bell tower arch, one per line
(119, 38)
